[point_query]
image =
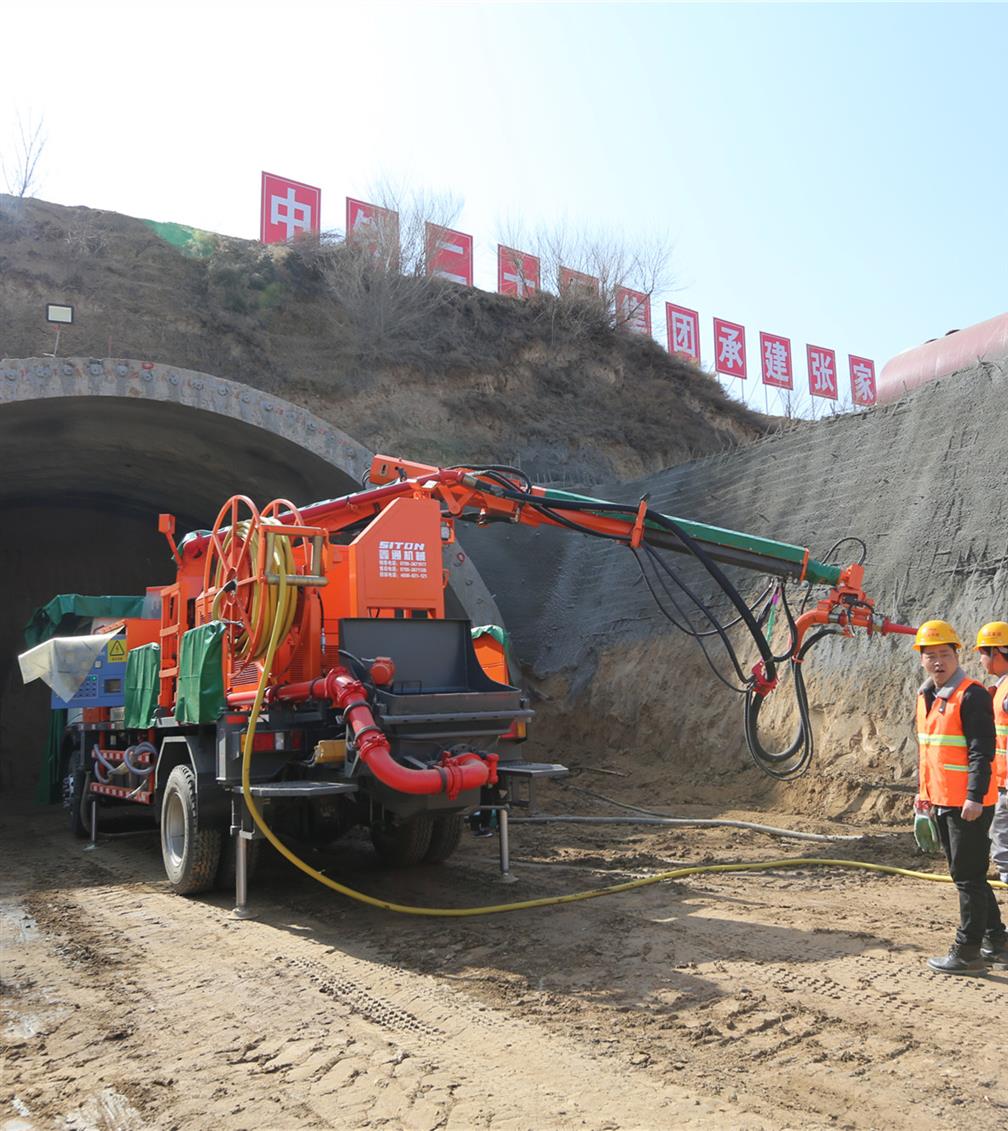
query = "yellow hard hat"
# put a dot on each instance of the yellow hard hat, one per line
(993, 635)
(934, 632)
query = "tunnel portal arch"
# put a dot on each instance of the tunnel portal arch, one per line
(92, 450)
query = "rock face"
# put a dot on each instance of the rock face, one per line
(922, 482)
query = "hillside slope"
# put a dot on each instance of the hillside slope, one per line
(484, 377)
(917, 481)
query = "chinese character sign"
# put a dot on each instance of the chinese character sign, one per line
(375, 229)
(578, 283)
(289, 209)
(402, 560)
(775, 357)
(729, 349)
(633, 311)
(822, 375)
(683, 332)
(517, 272)
(449, 254)
(862, 380)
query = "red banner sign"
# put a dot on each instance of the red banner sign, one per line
(449, 254)
(374, 228)
(579, 283)
(289, 209)
(862, 380)
(822, 375)
(633, 311)
(729, 349)
(775, 357)
(683, 327)
(517, 272)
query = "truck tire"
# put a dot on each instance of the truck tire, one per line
(79, 803)
(445, 838)
(225, 878)
(402, 843)
(191, 855)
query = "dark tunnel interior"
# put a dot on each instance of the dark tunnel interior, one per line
(82, 481)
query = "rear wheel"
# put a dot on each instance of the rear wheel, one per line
(405, 842)
(445, 837)
(191, 854)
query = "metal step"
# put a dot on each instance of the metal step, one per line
(299, 788)
(532, 769)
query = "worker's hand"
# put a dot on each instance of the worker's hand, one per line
(971, 810)
(925, 829)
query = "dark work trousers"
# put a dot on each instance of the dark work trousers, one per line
(967, 849)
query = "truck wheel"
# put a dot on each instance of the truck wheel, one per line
(445, 837)
(79, 802)
(191, 854)
(225, 878)
(402, 843)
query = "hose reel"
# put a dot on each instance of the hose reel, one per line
(249, 550)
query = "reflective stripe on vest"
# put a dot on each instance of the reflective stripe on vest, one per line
(1001, 727)
(943, 763)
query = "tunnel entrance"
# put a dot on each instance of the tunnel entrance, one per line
(92, 451)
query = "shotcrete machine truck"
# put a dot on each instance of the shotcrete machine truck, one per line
(300, 676)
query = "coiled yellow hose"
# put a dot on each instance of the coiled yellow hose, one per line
(266, 604)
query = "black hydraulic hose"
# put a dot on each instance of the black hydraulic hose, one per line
(549, 512)
(696, 636)
(784, 765)
(497, 472)
(727, 588)
(718, 630)
(690, 543)
(660, 562)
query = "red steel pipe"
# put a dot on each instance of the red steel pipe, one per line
(455, 774)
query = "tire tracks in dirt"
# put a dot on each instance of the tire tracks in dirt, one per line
(192, 1018)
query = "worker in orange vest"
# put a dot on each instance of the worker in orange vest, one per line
(956, 789)
(992, 644)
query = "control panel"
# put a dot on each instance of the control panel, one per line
(105, 683)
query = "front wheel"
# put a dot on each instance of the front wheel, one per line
(191, 854)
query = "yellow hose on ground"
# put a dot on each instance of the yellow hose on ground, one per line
(526, 904)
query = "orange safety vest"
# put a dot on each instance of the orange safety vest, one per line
(1001, 726)
(943, 766)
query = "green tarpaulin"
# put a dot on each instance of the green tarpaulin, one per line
(200, 697)
(143, 672)
(67, 613)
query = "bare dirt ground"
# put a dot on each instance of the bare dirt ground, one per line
(780, 999)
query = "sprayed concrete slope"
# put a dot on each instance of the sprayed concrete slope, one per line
(921, 481)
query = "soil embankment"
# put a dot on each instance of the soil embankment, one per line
(470, 377)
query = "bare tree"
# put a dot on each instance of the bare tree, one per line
(416, 208)
(644, 266)
(21, 171)
(378, 274)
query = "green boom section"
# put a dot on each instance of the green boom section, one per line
(730, 546)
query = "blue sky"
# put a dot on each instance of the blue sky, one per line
(834, 173)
